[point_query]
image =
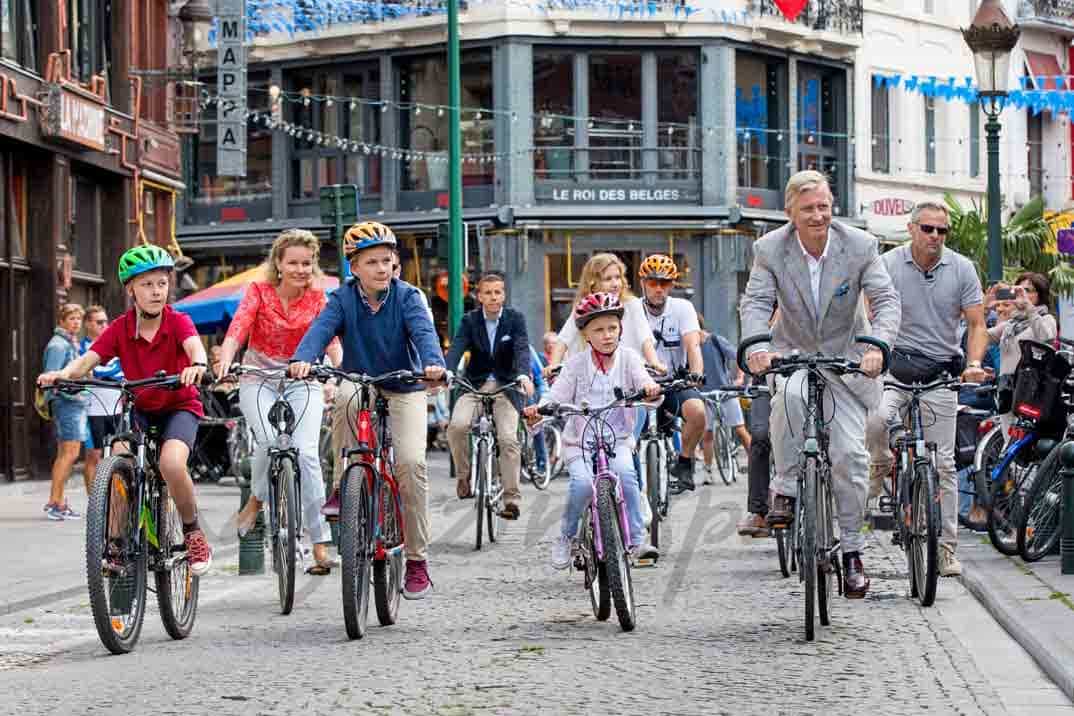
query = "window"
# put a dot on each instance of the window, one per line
(881, 113)
(151, 19)
(1035, 148)
(89, 24)
(207, 188)
(423, 81)
(317, 163)
(553, 108)
(615, 136)
(822, 126)
(975, 139)
(149, 216)
(760, 120)
(930, 135)
(677, 135)
(18, 32)
(17, 207)
(85, 238)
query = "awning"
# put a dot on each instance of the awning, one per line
(1041, 66)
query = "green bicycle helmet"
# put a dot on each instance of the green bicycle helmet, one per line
(142, 259)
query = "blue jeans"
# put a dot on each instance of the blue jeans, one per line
(580, 492)
(540, 450)
(966, 490)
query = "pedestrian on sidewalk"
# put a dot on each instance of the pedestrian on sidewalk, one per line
(102, 404)
(68, 411)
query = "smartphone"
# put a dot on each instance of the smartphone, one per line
(1005, 294)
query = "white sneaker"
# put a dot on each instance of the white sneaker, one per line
(561, 552)
(708, 475)
(949, 564)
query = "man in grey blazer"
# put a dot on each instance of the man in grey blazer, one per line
(818, 271)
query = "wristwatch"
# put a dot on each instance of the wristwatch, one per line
(973, 364)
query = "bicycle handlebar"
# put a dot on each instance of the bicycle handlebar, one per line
(469, 388)
(324, 373)
(161, 380)
(948, 383)
(788, 364)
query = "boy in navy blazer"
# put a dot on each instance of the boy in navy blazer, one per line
(499, 348)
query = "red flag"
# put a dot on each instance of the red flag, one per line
(791, 9)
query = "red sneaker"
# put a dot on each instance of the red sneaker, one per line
(417, 583)
(199, 555)
(331, 506)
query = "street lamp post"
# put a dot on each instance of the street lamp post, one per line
(991, 37)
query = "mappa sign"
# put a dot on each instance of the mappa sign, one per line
(892, 207)
(231, 89)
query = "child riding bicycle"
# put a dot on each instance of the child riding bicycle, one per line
(150, 338)
(593, 376)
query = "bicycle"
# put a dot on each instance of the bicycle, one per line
(485, 483)
(815, 525)
(656, 450)
(132, 528)
(600, 550)
(284, 479)
(725, 445)
(371, 515)
(539, 475)
(915, 485)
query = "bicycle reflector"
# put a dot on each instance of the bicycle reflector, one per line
(363, 431)
(1028, 411)
(984, 426)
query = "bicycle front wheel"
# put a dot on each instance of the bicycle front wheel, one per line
(827, 566)
(116, 570)
(780, 535)
(652, 486)
(553, 445)
(925, 534)
(356, 547)
(722, 453)
(807, 531)
(616, 562)
(1040, 528)
(177, 588)
(482, 479)
(285, 538)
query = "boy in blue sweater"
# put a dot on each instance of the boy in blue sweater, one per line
(384, 326)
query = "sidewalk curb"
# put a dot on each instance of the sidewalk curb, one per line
(1059, 672)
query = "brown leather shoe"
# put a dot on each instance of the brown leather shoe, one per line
(855, 581)
(510, 511)
(782, 512)
(753, 525)
(462, 489)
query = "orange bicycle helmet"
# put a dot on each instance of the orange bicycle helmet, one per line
(658, 266)
(366, 235)
(594, 305)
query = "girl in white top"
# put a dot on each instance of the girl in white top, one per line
(606, 273)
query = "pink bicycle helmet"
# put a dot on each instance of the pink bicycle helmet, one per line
(597, 304)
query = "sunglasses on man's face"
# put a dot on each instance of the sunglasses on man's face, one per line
(930, 229)
(660, 281)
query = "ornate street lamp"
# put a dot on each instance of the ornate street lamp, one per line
(991, 37)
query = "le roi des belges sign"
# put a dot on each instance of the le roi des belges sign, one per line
(231, 89)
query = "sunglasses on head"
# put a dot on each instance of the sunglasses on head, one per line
(930, 229)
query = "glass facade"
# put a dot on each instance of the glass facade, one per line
(761, 117)
(615, 134)
(553, 109)
(423, 127)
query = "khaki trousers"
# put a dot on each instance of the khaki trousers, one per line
(409, 418)
(506, 418)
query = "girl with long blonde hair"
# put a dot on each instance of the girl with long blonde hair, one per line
(606, 273)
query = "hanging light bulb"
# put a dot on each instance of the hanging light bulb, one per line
(306, 101)
(477, 116)
(328, 102)
(384, 106)
(439, 111)
(417, 110)
(354, 105)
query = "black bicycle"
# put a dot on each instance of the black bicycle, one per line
(284, 477)
(915, 494)
(815, 525)
(485, 483)
(133, 527)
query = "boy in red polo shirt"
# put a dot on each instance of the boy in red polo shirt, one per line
(154, 337)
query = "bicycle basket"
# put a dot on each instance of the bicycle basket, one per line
(1038, 383)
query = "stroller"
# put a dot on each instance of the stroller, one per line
(223, 443)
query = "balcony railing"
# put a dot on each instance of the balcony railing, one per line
(842, 16)
(1048, 11)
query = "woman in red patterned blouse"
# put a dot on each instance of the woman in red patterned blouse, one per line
(271, 320)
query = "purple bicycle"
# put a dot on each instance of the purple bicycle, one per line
(600, 547)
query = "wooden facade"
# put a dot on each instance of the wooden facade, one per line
(85, 148)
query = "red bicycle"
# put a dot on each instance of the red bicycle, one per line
(371, 510)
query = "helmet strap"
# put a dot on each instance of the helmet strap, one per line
(653, 308)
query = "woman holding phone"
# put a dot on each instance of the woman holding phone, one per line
(1028, 317)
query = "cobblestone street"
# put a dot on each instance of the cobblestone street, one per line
(719, 631)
